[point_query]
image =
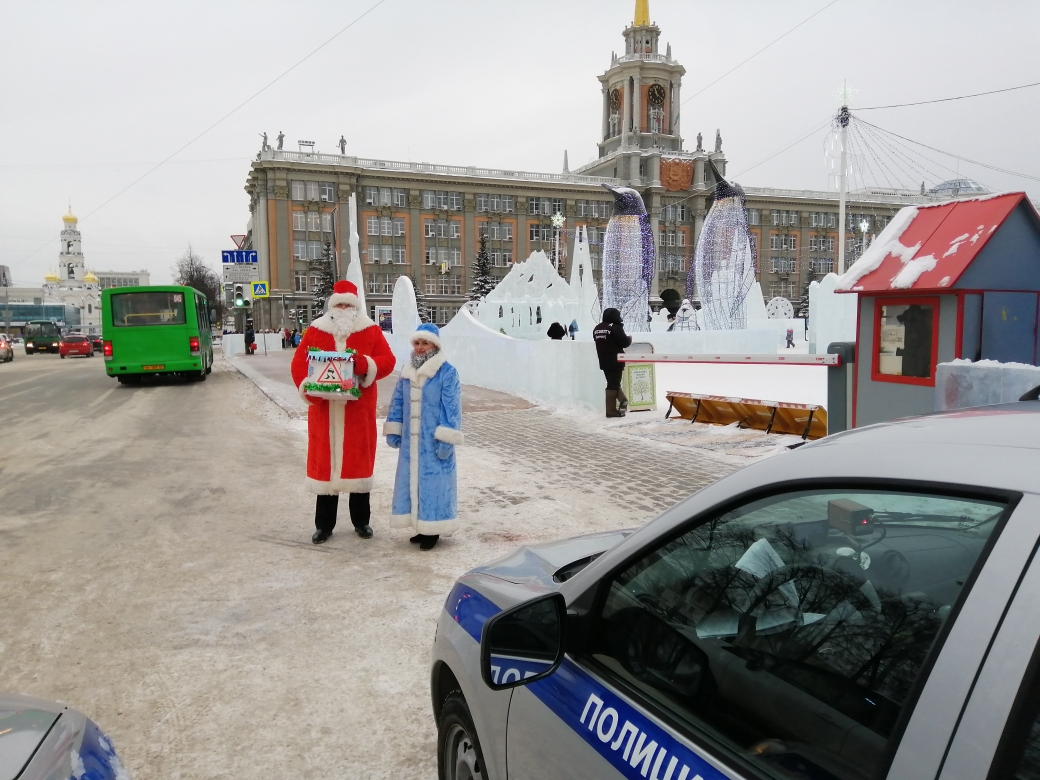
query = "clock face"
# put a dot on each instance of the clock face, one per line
(615, 99)
(656, 94)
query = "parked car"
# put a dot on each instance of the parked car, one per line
(47, 739)
(75, 344)
(6, 348)
(96, 342)
(863, 606)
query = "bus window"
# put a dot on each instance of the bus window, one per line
(148, 308)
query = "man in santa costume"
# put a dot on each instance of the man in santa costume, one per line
(341, 435)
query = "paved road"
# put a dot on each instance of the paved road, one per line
(157, 572)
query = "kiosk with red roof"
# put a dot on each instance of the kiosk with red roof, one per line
(959, 279)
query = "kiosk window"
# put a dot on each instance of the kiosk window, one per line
(790, 632)
(905, 339)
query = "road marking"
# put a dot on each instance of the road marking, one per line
(30, 379)
(103, 396)
(12, 395)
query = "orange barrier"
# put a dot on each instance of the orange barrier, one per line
(805, 420)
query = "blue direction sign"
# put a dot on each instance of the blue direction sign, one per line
(239, 256)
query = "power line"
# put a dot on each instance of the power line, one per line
(784, 149)
(249, 99)
(955, 156)
(946, 100)
(720, 78)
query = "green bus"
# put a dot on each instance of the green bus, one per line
(42, 336)
(156, 330)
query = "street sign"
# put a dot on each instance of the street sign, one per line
(244, 272)
(260, 289)
(239, 256)
(239, 240)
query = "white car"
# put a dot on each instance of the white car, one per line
(865, 606)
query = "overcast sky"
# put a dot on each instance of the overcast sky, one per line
(95, 93)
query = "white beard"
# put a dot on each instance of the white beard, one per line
(343, 321)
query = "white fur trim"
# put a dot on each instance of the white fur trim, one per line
(437, 527)
(324, 324)
(306, 399)
(448, 435)
(348, 298)
(426, 370)
(400, 521)
(370, 374)
(392, 428)
(415, 409)
(425, 335)
(363, 485)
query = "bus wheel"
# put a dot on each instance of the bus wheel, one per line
(199, 376)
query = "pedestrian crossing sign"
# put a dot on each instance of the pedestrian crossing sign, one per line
(260, 290)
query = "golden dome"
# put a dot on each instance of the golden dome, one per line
(50, 276)
(70, 218)
(90, 278)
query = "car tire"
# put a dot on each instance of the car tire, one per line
(459, 756)
(200, 376)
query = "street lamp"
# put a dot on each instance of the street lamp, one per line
(557, 222)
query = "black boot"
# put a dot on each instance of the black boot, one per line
(361, 514)
(325, 510)
(427, 542)
(416, 539)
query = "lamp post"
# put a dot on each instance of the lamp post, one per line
(557, 222)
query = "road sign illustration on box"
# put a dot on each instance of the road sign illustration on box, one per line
(239, 256)
(260, 290)
(330, 375)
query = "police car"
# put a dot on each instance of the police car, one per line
(864, 606)
(47, 740)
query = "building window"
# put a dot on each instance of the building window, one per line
(385, 196)
(821, 265)
(580, 207)
(429, 199)
(312, 190)
(535, 233)
(371, 196)
(482, 202)
(781, 290)
(430, 254)
(373, 226)
(400, 198)
(399, 255)
(327, 191)
(780, 265)
(300, 250)
(495, 202)
(508, 204)
(557, 206)
(326, 221)
(300, 281)
(313, 250)
(533, 206)
(299, 220)
(398, 226)
(456, 229)
(456, 256)
(906, 333)
(313, 220)
(386, 226)
(298, 190)
(428, 230)
(754, 217)
(455, 201)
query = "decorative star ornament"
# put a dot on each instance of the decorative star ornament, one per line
(558, 220)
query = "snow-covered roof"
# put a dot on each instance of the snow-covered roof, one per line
(929, 247)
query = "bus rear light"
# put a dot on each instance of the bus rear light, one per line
(193, 345)
(106, 347)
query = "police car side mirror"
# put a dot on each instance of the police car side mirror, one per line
(523, 644)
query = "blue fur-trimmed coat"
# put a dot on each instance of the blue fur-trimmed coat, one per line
(425, 416)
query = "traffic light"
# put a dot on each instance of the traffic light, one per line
(243, 296)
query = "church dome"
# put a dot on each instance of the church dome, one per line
(90, 278)
(50, 276)
(70, 218)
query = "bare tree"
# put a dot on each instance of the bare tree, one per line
(191, 270)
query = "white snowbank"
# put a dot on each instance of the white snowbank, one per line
(961, 383)
(912, 271)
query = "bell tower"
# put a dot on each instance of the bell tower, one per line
(641, 92)
(70, 256)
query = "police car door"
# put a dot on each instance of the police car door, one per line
(784, 638)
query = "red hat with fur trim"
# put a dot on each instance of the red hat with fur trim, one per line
(343, 292)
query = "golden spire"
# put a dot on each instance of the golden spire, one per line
(642, 14)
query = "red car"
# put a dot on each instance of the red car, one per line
(75, 345)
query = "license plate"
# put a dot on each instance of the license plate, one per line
(159, 367)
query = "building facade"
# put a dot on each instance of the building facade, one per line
(424, 221)
(110, 279)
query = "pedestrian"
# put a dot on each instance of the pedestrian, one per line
(572, 328)
(611, 340)
(286, 338)
(250, 337)
(341, 435)
(790, 338)
(296, 338)
(556, 332)
(424, 422)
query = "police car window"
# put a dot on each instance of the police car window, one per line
(789, 632)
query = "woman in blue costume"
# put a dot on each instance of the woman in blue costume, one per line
(425, 422)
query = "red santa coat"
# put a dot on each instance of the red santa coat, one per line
(341, 435)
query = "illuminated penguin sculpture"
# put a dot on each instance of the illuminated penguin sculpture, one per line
(628, 259)
(724, 264)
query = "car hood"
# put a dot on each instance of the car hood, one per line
(548, 564)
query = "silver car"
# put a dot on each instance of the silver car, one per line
(47, 740)
(865, 606)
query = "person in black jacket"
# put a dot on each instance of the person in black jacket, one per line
(556, 332)
(611, 339)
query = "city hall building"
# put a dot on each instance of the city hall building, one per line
(424, 220)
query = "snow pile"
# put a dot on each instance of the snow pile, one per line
(912, 271)
(886, 244)
(961, 383)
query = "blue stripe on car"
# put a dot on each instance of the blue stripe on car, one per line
(98, 756)
(632, 743)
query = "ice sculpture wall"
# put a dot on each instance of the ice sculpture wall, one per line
(529, 298)
(724, 264)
